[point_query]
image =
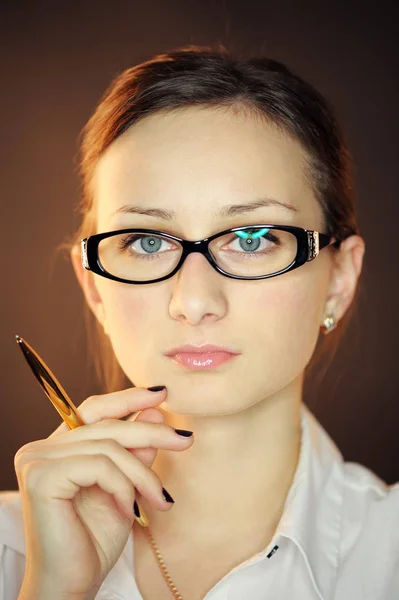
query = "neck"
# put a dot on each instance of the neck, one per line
(235, 478)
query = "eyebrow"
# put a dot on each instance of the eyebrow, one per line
(230, 210)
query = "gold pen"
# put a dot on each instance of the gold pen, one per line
(58, 396)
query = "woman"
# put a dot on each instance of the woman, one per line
(188, 147)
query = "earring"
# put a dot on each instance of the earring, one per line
(329, 324)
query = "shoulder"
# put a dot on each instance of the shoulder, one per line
(367, 497)
(369, 540)
(7, 497)
(11, 520)
(12, 545)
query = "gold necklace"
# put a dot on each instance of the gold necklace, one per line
(142, 519)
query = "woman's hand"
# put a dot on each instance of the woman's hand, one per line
(78, 488)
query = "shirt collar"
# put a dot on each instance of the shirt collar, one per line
(312, 510)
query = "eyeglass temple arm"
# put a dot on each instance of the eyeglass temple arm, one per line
(327, 240)
(317, 241)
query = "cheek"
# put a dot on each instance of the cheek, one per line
(284, 323)
(129, 318)
(124, 310)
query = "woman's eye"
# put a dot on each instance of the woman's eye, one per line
(144, 244)
(245, 242)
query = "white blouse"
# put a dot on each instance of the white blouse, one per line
(338, 538)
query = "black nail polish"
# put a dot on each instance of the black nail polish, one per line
(167, 496)
(156, 388)
(184, 432)
(136, 510)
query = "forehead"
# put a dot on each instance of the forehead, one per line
(196, 160)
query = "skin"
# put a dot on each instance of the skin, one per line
(232, 483)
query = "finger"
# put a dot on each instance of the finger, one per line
(80, 471)
(148, 415)
(114, 406)
(128, 435)
(38, 468)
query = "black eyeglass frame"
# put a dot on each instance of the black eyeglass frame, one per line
(309, 244)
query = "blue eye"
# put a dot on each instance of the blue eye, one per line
(244, 235)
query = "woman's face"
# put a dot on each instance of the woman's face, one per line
(194, 162)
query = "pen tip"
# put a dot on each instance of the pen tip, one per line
(18, 338)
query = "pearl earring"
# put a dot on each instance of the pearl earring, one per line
(329, 324)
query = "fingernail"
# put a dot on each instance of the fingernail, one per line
(136, 510)
(167, 496)
(156, 388)
(184, 432)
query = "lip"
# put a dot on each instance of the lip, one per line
(202, 361)
(200, 349)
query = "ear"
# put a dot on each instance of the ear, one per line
(87, 283)
(347, 266)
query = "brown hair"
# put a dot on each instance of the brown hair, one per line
(210, 76)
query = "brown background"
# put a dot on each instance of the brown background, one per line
(57, 58)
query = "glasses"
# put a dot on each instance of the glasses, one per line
(141, 256)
